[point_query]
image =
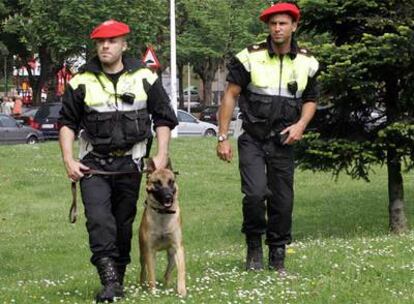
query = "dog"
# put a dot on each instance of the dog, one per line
(160, 228)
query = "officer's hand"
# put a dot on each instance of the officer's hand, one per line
(75, 169)
(295, 133)
(224, 151)
(160, 161)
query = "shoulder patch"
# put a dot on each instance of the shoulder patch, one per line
(257, 47)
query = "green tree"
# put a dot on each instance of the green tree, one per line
(214, 29)
(56, 30)
(40, 30)
(369, 69)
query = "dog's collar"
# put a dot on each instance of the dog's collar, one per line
(161, 210)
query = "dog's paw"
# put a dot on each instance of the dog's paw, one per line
(182, 291)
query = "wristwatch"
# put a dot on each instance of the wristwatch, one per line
(222, 138)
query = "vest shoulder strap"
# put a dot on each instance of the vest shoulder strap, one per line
(81, 78)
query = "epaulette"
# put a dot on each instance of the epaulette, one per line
(305, 52)
(257, 47)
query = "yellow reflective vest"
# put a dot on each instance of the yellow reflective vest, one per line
(111, 120)
(273, 99)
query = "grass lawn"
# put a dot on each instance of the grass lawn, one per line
(342, 252)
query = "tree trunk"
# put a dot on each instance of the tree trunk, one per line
(208, 91)
(397, 219)
(207, 70)
(37, 83)
(180, 70)
(52, 82)
(32, 79)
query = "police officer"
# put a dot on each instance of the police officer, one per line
(275, 82)
(108, 105)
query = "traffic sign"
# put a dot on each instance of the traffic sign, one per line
(150, 59)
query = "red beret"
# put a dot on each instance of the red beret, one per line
(283, 7)
(109, 29)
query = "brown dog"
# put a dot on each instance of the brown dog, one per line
(160, 228)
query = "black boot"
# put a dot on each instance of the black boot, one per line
(254, 258)
(277, 259)
(109, 278)
(121, 273)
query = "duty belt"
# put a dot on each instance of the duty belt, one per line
(276, 137)
(118, 153)
(113, 153)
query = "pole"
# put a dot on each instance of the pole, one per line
(5, 76)
(173, 62)
(188, 88)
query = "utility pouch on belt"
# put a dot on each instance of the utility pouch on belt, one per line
(292, 87)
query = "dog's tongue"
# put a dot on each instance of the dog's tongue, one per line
(168, 204)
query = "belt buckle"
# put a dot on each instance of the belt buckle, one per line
(117, 153)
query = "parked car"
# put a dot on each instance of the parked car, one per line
(194, 96)
(332, 121)
(194, 105)
(209, 114)
(46, 119)
(12, 132)
(27, 116)
(191, 126)
(235, 127)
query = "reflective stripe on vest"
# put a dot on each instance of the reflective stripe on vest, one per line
(105, 99)
(271, 75)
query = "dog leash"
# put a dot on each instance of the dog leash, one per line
(73, 211)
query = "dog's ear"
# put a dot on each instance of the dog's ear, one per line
(150, 166)
(169, 167)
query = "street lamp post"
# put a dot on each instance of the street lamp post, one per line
(188, 88)
(173, 61)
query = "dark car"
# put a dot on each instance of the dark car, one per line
(209, 114)
(46, 119)
(12, 132)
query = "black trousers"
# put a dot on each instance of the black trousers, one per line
(267, 170)
(110, 207)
